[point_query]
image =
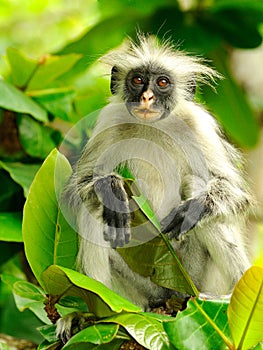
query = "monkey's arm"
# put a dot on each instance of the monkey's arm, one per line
(222, 198)
(116, 216)
(105, 198)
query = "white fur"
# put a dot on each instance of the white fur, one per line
(177, 158)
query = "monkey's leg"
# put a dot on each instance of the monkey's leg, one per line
(116, 212)
(226, 249)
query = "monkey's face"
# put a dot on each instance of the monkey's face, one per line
(149, 93)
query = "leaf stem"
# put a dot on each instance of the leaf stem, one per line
(183, 271)
(229, 344)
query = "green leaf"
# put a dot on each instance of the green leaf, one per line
(28, 296)
(193, 330)
(51, 68)
(22, 67)
(238, 26)
(4, 346)
(146, 330)
(29, 290)
(36, 139)
(47, 236)
(21, 173)
(96, 334)
(11, 227)
(157, 258)
(14, 100)
(231, 107)
(62, 281)
(59, 104)
(246, 309)
(48, 332)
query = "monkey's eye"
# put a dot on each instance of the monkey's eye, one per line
(163, 82)
(137, 80)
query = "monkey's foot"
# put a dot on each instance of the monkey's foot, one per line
(72, 323)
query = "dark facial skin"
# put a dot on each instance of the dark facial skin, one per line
(149, 93)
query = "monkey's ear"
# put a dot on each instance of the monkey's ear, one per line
(113, 82)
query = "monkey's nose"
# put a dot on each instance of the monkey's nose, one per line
(147, 97)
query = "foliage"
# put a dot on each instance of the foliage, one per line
(41, 98)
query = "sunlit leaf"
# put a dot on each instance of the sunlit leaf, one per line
(245, 312)
(14, 100)
(192, 329)
(96, 334)
(22, 67)
(147, 331)
(50, 69)
(47, 236)
(62, 281)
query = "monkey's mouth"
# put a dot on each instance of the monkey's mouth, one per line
(146, 114)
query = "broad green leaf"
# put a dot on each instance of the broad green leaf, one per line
(21, 173)
(48, 332)
(27, 296)
(245, 312)
(152, 255)
(58, 104)
(146, 330)
(193, 330)
(11, 227)
(70, 304)
(51, 68)
(231, 107)
(36, 139)
(236, 26)
(29, 290)
(4, 346)
(63, 281)
(47, 236)
(14, 100)
(46, 345)
(22, 67)
(96, 334)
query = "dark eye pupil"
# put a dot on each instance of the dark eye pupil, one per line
(137, 80)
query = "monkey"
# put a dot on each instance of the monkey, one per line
(190, 174)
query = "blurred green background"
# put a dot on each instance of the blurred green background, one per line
(50, 80)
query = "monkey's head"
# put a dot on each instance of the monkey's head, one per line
(153, 79)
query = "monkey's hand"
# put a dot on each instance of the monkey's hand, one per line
(116, 212)
(184, 218)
